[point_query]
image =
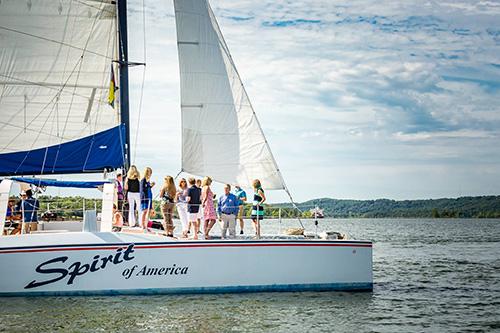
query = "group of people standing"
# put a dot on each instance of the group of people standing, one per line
(194, 201)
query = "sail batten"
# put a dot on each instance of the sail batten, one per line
(222, 138)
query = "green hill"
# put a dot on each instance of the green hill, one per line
(465, 207)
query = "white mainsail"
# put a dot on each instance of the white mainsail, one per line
(55, 63)
(221, 136)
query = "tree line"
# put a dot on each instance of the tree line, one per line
(464, 207)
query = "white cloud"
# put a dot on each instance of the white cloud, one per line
(351, 95)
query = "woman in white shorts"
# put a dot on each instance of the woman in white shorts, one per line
(181, 203)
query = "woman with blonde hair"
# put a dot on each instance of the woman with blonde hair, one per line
(207, 202)
(132, 187)
(181, 203)
(257, 208)
(146, 196)
(167, 196)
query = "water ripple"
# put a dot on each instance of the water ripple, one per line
(430, 276)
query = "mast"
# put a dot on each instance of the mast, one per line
(123, 61)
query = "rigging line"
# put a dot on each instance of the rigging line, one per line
(175, 178)
(2, 93)
(226, 51)
(59, 49)
(27, 129)
(95, 7)
(48, 143)
(54, 41)
(43, 109)
(88, 152)
(79, 62)
(67, 57)
(68, 50)
(37, 93)
(143, 79)
(295, 206)
(104, 72)
(78, 77)
(122, 146)
(36, 139)
(111, 35)
(38, 84)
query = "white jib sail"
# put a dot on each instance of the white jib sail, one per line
(55, 63)
(221, 136)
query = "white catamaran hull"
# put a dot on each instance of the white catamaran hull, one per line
(119, 263)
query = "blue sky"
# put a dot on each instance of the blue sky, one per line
(363, 100)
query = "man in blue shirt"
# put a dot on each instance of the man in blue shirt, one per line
(227, 209)
(29, 209)
(242, 197)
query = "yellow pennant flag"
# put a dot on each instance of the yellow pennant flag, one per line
(112, 88)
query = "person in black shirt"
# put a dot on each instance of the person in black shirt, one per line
(133, 195)
(194, 202)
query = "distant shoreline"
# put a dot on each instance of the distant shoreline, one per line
(464, 207)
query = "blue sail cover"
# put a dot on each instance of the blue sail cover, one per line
(94, 153)
(59, 183)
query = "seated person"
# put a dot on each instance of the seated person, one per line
(12, 218)
(117, 219)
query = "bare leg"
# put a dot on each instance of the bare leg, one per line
(257, 228)
(256, 225)
(242, 224)
(196, 229)
(206, 229)
(144, 220)
(170, 221)
(210, 225)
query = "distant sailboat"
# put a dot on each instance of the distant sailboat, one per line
(317, 212)
(56, 118)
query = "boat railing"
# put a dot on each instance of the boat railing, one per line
(64, 209)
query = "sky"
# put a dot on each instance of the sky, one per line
(358, 100)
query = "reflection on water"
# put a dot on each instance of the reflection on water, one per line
(430, 275)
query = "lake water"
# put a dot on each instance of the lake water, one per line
(433, 275)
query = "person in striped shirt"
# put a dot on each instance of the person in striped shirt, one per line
(257, 208)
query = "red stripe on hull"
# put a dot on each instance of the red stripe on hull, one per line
(179, 246)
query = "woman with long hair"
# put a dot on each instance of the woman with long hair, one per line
(146, 197)
(207, 202)
(181, 203)
(257, 208)
(167, 196)
(132, 187)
